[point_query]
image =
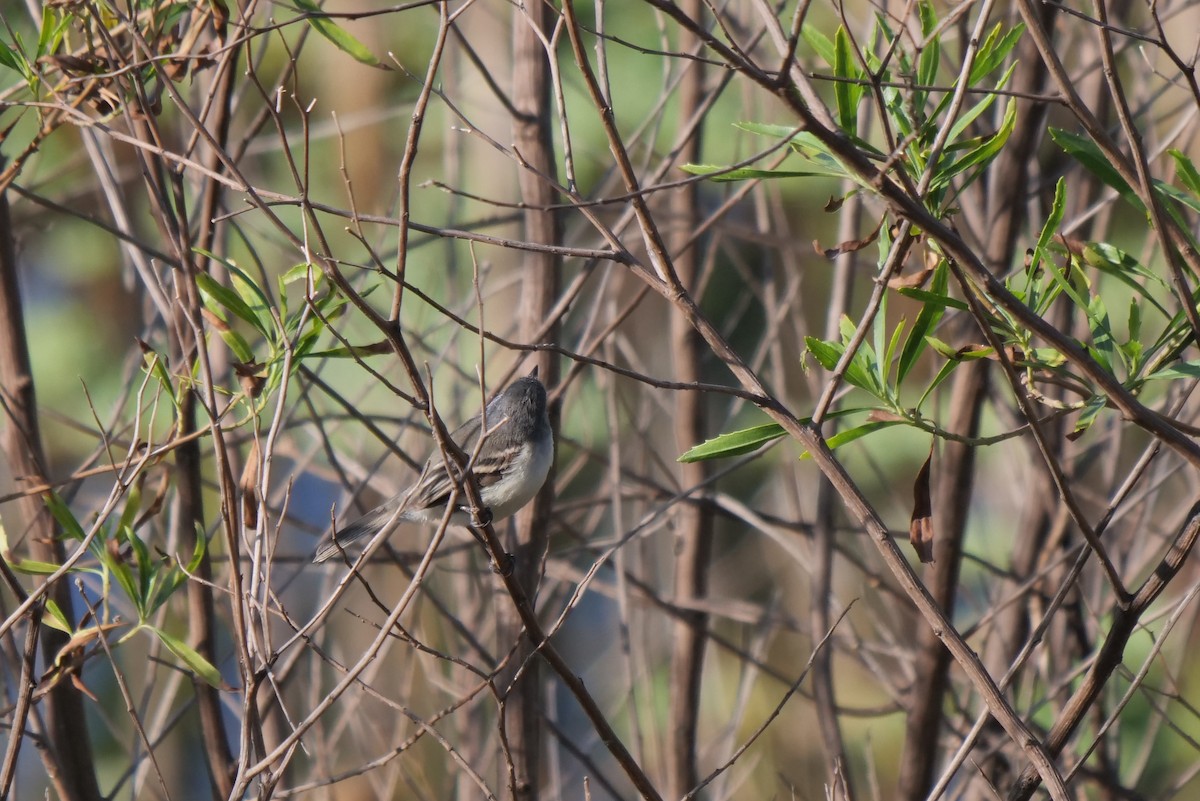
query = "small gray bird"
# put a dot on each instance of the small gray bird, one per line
(511, 468)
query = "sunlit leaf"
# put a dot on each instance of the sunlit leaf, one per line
(340, 37)
(734, 443)
(189, 656)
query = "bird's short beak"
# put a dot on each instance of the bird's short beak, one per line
(533, 372)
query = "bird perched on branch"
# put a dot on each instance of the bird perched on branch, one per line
(511, 467)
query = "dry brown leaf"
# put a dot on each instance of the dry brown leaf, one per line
(849, 246)
(920, 528)
(248, 484)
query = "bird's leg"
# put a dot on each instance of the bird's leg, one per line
(503, 564)
(482, 517)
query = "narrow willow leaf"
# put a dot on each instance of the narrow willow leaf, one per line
(31, 567)
(1103, 346)
(981, 155)
(845, 92)
(154, 365)
(1050, 227)
(219, 298)
(827, 354)
(994, 51)
(970, 115)
(734, 443)
(819, 42)
(930, 315)
(1187, 171)
(1086, 152)
(888, 360)
(942, 301)
(1086, 417)
(725, 174)
(55, 618)
(1122, 266)
(64, 517)
(189, 656)
(946, 369)
(340, 37)
(849, 435)
(1190, 369)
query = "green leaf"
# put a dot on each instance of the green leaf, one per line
(970, 115)
(735, 443)
(188, 655)
(846, 94)
(727, 175)
(929, 20)
(930, 58)
(1135, 320)
(1050, 227)
(340, 37)
(1187, 171)
(219, 298)
(133, 505)
(12, 58)
(878, 332)
(819, 42)
(849, 435)
(63, 516)
(888, 360)
(946, 369)
(238, 344)
(827, 354)
(981, 155)
(153, 363)
(1056, 274)
(1190, 369)
(858, 371)
(942, 301)
(1088, 416)
(168, 580)
(1086, 152)
(818, 158)
(300, 272)
(52, 31)
(1120, 265)
(250, 292)
(994, 51)
(55, 618)
(1103, 346)
(930, 315)
(31, 567)
(119, 569)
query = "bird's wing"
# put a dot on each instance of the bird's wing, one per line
(435, 484)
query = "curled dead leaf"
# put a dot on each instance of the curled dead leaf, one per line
(849, 246)
(920, 527)
(248, 484)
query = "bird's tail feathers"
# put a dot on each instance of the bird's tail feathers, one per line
(366, 526)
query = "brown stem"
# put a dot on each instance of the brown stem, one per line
(1125, 620)
(541, 281)
(68, 760)
(694, 522)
